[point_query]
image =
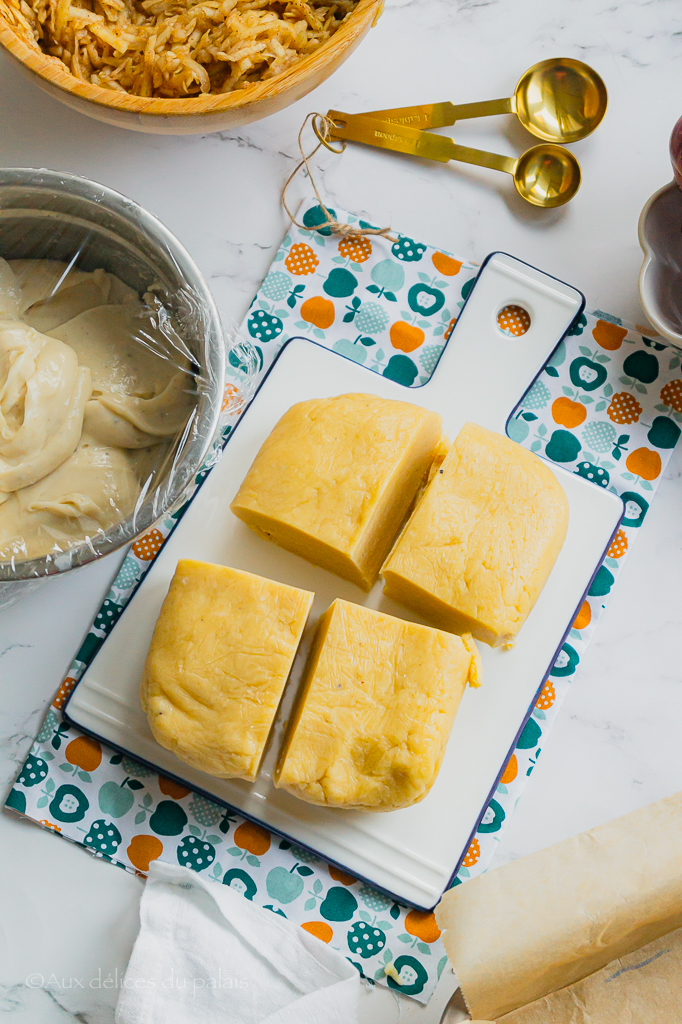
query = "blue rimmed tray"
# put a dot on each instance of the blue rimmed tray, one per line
(411, 854)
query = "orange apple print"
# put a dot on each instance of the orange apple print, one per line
(445, 265)
(473, 853)
(547, 696)
(142, 850)
(319, 312)
(252, 838)
(422, 924)
(619, 545)
(607, 335)
(320, 929)
(231, 397)
(624, 408)
(645, 463)
(584, 616)
(301, 259)
(671, 394)
(567, 413)
(148, 545)
(341, 876)
(63, 693)
(85, 753)
(358, 249)
(450, 328)
(511, 770)
(406, 337)
(514, 320)
(171, 788)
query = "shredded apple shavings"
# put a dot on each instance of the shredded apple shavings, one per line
(176, 48)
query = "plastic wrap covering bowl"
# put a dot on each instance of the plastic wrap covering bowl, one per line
(50, 215)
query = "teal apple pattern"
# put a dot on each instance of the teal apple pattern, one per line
(619, 402)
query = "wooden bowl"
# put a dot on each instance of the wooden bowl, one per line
(194, 115)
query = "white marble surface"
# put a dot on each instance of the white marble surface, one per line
(68, 917)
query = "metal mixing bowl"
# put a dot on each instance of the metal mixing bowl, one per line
(52, 215)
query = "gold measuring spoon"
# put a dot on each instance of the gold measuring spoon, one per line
(557, 100)
(545, 175)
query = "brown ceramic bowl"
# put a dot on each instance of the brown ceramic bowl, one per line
(194, 115)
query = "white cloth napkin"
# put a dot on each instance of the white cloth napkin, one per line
(207, 955)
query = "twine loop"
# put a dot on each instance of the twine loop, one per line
(322, 127)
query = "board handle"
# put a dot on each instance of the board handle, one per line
(485, 369)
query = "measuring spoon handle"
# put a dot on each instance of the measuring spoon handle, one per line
(403, 139)
(484, 108)
(480, 157)
(441, 115)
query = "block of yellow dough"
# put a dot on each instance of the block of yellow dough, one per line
(482, 541)
(219, 658)
(335, 479)
(374, 712)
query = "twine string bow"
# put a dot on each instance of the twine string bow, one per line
(322, 126)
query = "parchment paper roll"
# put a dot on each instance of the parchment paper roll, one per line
(545, 921)
(644, 987)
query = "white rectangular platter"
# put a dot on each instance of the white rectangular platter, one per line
(411, 853)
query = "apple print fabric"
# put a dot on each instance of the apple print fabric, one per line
(388, 305)
(608, 405)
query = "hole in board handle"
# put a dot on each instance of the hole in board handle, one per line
(513, 320)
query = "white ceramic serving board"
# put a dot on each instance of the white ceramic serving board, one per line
(410, 853)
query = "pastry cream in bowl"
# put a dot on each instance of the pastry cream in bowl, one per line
(111, 373)
(86, 408)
